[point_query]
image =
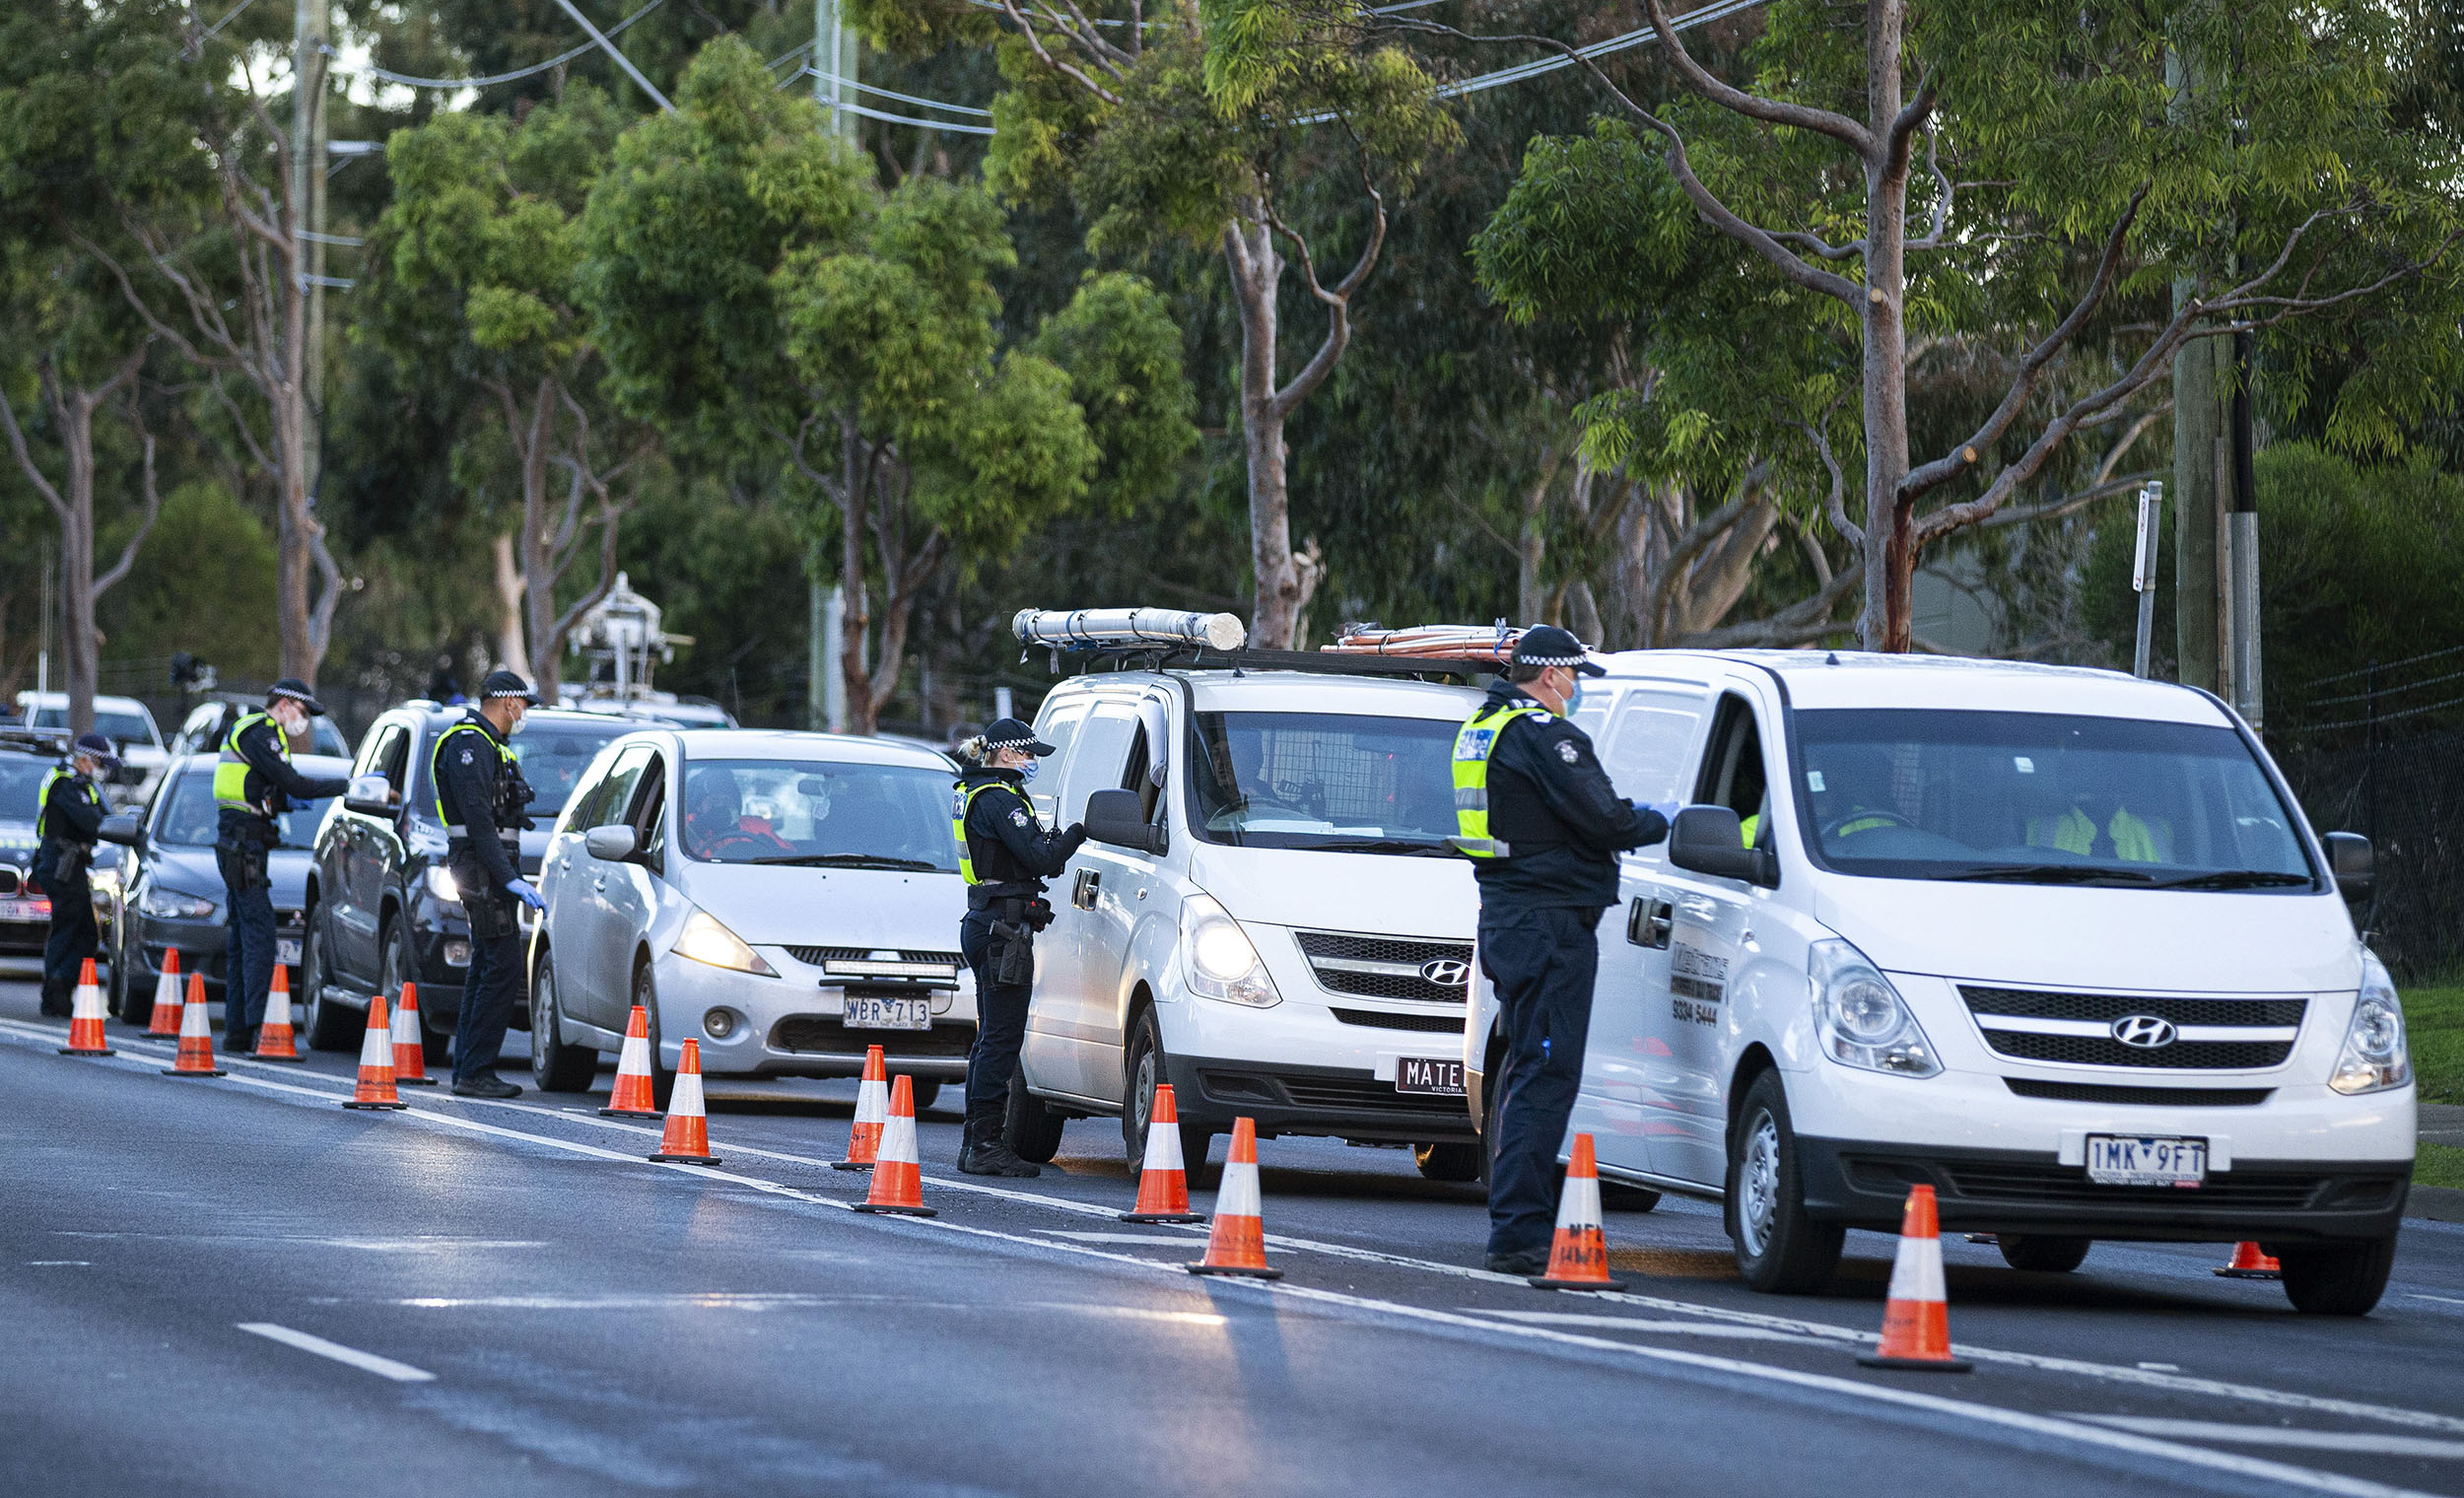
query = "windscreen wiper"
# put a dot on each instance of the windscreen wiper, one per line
(847, 860)
(1409, 848)
(2235, 879)
(2048, 873)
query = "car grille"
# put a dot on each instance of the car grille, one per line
(816, 956)
(1433, 1024)
(2152, 1097)
(824, 1034)
(2071, 1029)
(2051, 1185)
(1330, 1094)
(1384, 966)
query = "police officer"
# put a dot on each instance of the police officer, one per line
(68, 815)
(480, 797)
(253, 785)
(1544, 828)
(1004, 855)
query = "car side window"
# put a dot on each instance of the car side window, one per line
(1101, 760)
(648, 817)
(1645, 744)
(1061, 730)
(390, 754)
(1732, 772)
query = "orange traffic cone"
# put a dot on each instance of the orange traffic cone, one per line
(2250, 1263)
(1578, 1256)
(898, 1171)
(85, 1016)
(196, 1036)
(688, 1127)
(872, 1110)
(1163, 1180)
(410, 1051)
(633, 1098)
(166, 1018)
(275, 1041)
(376, 1089)
(1238, 1243)
(1916, 1321)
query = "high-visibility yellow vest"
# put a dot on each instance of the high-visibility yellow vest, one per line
(963, 799)
(230, 772)
(2074, 832)
(1473, 745)
(436, 758)
(42, 795)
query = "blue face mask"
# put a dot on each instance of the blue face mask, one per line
(1029, 769)
(1574, 698)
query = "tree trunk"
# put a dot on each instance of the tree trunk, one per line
(1890, 524)
(297, 529)
(1256, 267)
(858, 620)
(509, 586)
(1532, 548)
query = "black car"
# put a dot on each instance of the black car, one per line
(380, 905)
(168, 893)
(25, 914)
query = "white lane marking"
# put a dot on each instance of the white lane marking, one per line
(1636, 1324)
(1131, 1313)
(59, 1264)
(2160, 1367)
(365, 1244)
(2364, 1442)
(685, 1300)
(2175, 1383)
(1176, 1240)
(2442, 1299)
(383, 1367)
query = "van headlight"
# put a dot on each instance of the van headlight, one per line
(1223, 962)
(441, 883)
(1861, 1018)
(703, 939)
(2374, 1056)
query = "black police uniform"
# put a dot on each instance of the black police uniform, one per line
(481, 795)
(1562, 824)
(244, 836)
(69, 818)
(1010, 855)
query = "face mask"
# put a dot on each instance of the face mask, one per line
(520, 723)
(1029, 769)
(1574, 698)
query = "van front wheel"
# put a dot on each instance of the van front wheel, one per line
(1780, 1250)
(2335, 1278)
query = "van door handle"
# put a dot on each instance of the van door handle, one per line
(1082, 893)
(1649, 921)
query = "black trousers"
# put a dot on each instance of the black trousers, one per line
(1000, 1026)
(72, 940)
(248, 971)
(496, 977)
(1543, 961)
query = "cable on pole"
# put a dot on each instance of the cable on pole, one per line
(559, 60)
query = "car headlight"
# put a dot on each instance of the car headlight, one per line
(171, 904)
(703, 939)
(1223, 963)
(1861, 1018)
(441, 883)
(2375, 1055)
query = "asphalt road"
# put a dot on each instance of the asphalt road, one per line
(237, 1286)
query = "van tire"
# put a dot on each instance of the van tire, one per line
(1453, 1160)
(1780, 1250)
(2044, 1253)
(1141, 1070)
(1033, 1129)
(2335, 1278)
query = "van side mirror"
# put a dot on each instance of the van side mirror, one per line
(1115, 817)
(1710, 840)
(371, 796)
(615, 843)
(121, 829)
(2351, 861)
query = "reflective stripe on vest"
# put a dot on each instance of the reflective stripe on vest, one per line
(231, 771)
(435, 756)
(1473, 746)
(42, 796)
(962, 801)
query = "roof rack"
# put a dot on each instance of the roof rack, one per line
(35, 741)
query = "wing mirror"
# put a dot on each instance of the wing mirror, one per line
(2352, 861)
(1115, 817)
(124, 829)
(1710, 840)
(615, 843)
(371, 796)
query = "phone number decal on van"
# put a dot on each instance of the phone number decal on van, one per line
(1697, 979)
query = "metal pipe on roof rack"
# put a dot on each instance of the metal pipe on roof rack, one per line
(1127, 629)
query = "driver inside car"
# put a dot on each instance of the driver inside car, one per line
(1852, 792)
(715, 823)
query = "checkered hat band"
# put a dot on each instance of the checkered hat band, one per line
(285, 692)
(510, 691)
(1010, 743)
(1548, 661)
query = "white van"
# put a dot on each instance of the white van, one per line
(1267, 914)
(2056, 942)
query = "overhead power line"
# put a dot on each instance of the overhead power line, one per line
(905, 98)
(1718, 11)
(556, 61)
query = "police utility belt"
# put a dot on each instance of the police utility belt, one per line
(1016, 921)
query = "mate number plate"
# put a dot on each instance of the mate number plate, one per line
(865, 1011)
(2147, 1160)
(1429, 1076)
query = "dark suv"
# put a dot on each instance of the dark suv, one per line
(380, 905)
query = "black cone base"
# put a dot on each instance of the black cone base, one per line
(1916, 1365)
(1161, 1217)
(373, 1107)
(896, 1211)
(1543, 1282)
(1234, 1271)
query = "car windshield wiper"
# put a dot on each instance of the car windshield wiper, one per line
(1409, 848)
(2236, 878)
(2048, 873)
(846, 860)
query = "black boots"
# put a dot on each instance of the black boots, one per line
(983, 1152)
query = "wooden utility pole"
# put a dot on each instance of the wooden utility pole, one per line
(311, 56)
(834, 86)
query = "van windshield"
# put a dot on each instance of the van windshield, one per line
(1337, 781)
(2042, 798)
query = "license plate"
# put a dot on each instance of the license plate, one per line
(1424, 1075)
(24, 910)
(2147, 1160)
(287, 951)
(865, 1012)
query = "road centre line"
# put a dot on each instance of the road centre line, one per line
(1656, 1329)
(383, 1367)
(2362, 1442)
(2173, 1383)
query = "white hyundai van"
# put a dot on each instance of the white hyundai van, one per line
(1267, 914)
(2056, 942)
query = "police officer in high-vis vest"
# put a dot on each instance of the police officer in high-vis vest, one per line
(68, 816)
(480, 797)
(253, 785)
(1544, 828)
(1004, 855)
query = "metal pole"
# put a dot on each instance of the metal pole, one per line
(834, 67)
(311, 24)
(816, 649)
(2244, 579)
(2143, 571)
(2369, 759)
(833, 679)
(622, 60)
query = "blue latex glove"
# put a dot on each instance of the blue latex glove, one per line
(521, 890)
(1667, 810)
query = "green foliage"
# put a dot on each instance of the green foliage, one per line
(198, 585)
(1118, 344)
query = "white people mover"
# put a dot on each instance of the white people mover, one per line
(2056, 942)
(1267, 914)
(787, 899)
